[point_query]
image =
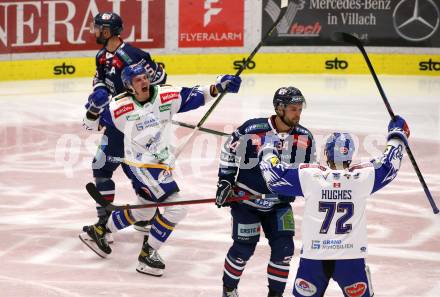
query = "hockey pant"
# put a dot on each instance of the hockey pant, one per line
(150, 186)
(352, 276)
(108, 157)
(278, 227)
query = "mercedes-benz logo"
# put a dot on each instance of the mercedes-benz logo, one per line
(416, 20)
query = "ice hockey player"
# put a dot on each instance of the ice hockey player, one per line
(143, 114)
(110, 60)
(239, 173)
(334, 227)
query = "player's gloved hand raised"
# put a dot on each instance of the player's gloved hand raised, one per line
(398, 128)
(228, 83)
(98, 100)
(224, 190)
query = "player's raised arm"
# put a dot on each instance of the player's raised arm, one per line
(279, 177)
(387, 166)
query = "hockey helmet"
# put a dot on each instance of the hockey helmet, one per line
(129, 72)
(110, 20)
(287, 95)
(339, 147)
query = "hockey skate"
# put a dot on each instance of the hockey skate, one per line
(229, 292)
(94, 237)
(108, 236)
(142, 226)
(150, 261)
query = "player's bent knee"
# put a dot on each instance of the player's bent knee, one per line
(242, 251)
(175, 214)
(143, 214)
(282, 249)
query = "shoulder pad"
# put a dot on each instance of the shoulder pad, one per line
(304, 166)
(123, 55)
(100, 53)
(303, 130)
(122, 98)
(360, 166)
(253, 126)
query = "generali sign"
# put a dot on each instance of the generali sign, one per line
(63, 25)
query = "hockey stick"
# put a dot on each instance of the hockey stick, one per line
(182, 124)
(248, 60)
(94, 193)
(348, 38)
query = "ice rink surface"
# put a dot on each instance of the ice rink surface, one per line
(45, 158)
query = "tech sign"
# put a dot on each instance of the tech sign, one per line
(63, 25)
(211, 23)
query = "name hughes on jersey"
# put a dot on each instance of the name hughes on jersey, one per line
(336, 194)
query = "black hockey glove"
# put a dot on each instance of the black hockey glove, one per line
(224, 190)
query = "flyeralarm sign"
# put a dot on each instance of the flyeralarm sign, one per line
(63, 25)
(211, 23)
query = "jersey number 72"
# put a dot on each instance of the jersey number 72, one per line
(331, 208)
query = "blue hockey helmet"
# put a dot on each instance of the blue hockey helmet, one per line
(339, 147)
(129, 72)
(110, 20)
(287, 95)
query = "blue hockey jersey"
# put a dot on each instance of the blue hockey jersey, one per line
(109, 66)
(239, 161)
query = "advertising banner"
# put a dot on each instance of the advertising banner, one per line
(211, 23)
(408, 23)
(63, 25)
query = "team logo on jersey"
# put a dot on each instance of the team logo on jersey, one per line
(123, 110)
(304, 287)
(274, 161)
(166, 97)
(356, 290)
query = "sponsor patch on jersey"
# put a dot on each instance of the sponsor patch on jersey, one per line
(356, 290)
(304, 165)
(316, 244)
(248, 230)
(165, 177)
(166, 97)
(304, 287)
(133, 117)
(165, 107)
(123, 110)
(253, 127)
(285, 219)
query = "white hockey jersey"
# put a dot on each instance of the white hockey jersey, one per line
(145, 125)
(334, 223)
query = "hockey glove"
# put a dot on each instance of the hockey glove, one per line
(224, 190)
(97, 101)
(228, 83)
(398, 128)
